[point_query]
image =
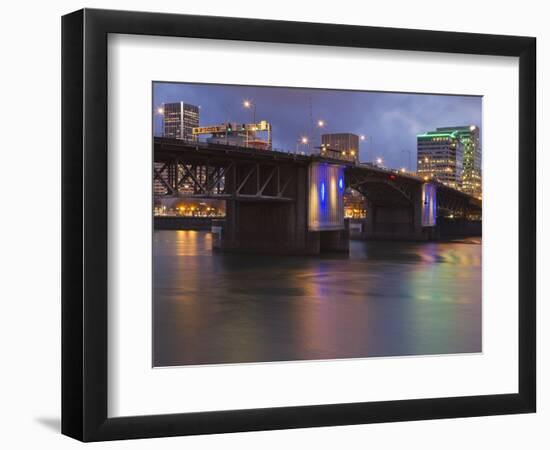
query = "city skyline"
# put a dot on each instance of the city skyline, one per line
(265, 253)
(389, 121)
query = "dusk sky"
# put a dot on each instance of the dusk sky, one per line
(390, 121)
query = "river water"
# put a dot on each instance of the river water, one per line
(384, 299)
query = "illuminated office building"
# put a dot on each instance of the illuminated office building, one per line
(471, 157)
(452, 156)
(340, 146)
(179, 119)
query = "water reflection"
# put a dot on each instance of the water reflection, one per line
(386, 299)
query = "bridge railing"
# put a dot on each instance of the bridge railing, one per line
(205, 144)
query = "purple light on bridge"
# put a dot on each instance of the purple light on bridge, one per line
(326, 197)
(429, 205)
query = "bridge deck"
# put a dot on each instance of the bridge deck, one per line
(196, 152)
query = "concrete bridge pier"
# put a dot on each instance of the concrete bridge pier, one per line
(262, 227)
(278, 226)
(334, 241)
(275, 228)
(401, 221)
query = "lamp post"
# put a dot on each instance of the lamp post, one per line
(160, 112)
(321, 124)
(250, 105)
(409, 152)
(303, 141)
(362, 138)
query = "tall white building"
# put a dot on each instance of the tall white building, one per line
(440, 157)
(451, 155)
(179, 119)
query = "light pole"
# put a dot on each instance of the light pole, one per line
(303, 140)
(409, 152)
(363, 138)
(321, 124)
(160, 112)
(249, 105)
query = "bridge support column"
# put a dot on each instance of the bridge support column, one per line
(396, 222)
(271, 227)
(334, 241)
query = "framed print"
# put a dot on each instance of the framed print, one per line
(274, 224)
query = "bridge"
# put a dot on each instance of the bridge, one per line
(281, 202)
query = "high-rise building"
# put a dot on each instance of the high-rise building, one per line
(471, 157)
(451, 155)
(440, 157)
(179, 119)
(341, 145)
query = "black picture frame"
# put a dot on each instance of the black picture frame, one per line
(84, 224)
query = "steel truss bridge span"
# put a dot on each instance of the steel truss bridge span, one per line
(192, 169)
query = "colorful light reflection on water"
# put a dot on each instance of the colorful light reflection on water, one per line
(385, 299)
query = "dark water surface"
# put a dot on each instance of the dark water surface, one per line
(385, 299)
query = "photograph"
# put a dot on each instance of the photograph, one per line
(275, 225)
(311, 224)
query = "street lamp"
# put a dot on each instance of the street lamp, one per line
(369, 149)
(409, 153)
(249, 105)
(321, 124)
(160, 112)
(303, 141)
(379, 161)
